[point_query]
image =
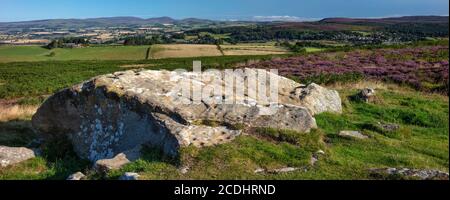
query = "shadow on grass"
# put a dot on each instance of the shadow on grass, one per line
(61, 158)
(56, 159)
(152, 159)
(17, 133)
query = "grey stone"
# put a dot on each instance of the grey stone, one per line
(367, 94)
(130, 176)
(388, 127)
(314, 160)
(76, 177)
(316, 156)
(320, 152)
(406, 173)
(284, 170)
(353, 134)
(111, 114)
(14, 155)
(184, 170)
(117, 162)
(318, 99)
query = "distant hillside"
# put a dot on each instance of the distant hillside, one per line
(99, 22)
(406, 19)
(325, 24)
(417, 23)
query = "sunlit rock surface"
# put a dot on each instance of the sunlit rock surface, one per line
(115, 113)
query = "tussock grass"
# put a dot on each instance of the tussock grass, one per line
(16, 112)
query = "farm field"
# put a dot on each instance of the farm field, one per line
(183, 51)
(253, 49)
(190, 50)
(32, 79)
(37, 53)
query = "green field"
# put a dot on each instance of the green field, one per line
(30, 79)
(37, 53)
(313, 49)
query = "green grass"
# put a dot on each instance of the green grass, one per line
(16, 133)
(420, 143)
(36, 53)
(42, 169)
(215, 36)
(22, 53)
(57, 161)
(313, 49)
(31, 79)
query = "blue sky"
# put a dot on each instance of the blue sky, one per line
(19, 10)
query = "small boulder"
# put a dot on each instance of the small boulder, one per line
(76, 177)
(353, 134)
(318, 99)
(106, 165)
(117, 162)
(320, 152)
(367, 94)
(184, 170)
(14, 155)
(314, 160)
(386, 127)
(405, 173)
(316, 156)
(130, 176)
(284, 170)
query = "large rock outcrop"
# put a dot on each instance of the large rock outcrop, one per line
(116, 113)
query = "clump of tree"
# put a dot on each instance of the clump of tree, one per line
(140, 40)
(207, 39)
(396, 33)
(179, 36)
(143, 40)
(296, 48)
(63, 42)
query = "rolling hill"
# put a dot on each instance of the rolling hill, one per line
(327, 23)
(99, 22)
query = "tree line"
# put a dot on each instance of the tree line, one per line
(63, 42)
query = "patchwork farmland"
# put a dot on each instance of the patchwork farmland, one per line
(37, 53)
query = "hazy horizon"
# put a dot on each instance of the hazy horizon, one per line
(255, 18)
(251, 10)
